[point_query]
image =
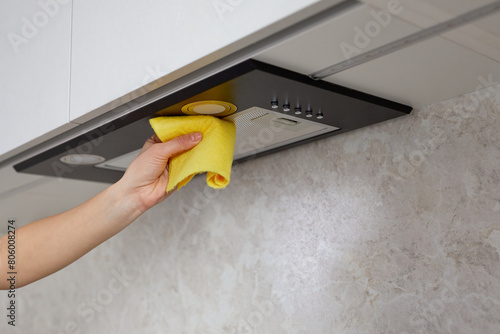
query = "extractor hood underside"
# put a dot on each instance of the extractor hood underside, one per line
(276, 109)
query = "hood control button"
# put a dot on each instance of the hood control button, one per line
(309, 113)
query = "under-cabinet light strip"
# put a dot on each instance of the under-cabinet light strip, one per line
(407, 41)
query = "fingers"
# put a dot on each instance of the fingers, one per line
(176, 145)
(180, 144)
(150, 142)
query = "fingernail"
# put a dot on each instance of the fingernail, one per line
(196, 136)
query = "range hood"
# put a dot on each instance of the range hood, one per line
(273, 109)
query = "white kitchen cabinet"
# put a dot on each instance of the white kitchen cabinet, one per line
(459, 61)
(490, 23)
(425, 73)
(35, 71)
(349, 34)
(120, 46)
(426, 13)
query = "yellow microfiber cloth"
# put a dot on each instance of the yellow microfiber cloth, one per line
(214, 154)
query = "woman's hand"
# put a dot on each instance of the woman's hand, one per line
(52, 243)
(147, 176)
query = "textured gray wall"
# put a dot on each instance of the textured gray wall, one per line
(390, 229)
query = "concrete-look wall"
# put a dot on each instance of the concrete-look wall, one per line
(394, 228)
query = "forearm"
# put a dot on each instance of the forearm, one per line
(48, 245)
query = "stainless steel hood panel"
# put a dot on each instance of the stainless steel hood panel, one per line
(250, 84)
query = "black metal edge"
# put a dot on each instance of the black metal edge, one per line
(199, 87)
(143, 112)
(331, 87)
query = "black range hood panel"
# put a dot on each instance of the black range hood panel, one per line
(250, 85)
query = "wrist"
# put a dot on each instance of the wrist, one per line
(128, 203)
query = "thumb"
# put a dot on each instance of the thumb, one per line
(177, 145)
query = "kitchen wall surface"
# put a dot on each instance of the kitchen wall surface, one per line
(390, 229)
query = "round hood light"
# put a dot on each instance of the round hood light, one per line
(82, 159)
(213, 108)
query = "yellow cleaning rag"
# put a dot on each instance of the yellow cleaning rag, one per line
(214, 154)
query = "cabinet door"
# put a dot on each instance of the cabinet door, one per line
(427, 72)
(120, 46)
(35, 70)
(351, 33)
